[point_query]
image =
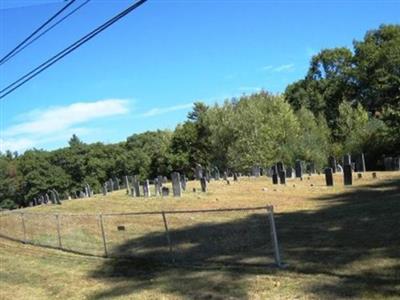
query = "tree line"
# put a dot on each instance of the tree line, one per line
(348, 102)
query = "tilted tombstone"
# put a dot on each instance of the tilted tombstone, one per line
(332, 164)
(347, 175)
(347, 159)
(199, 172)
(146, 188)
(282, 177)
(329, 176)
(289, 172)
(46, 198)
(360, 163)
(176, 184)
(183, 182)
(136, 185)
(203, 183)
(388, 162)
(298, 169)
(165, 191)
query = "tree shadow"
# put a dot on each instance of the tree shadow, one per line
(354, 239)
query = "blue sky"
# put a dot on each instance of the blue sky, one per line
(144, 72)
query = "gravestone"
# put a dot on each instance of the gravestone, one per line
(164, 179)
(199, 172)
(216, 173)
(132, 192)
(159, 184)
(35, 201)
(82, 194)
(225, 175)
(46, 199)
(311, 168)
(146, 188)
(86, 191)
(274, 178)
(235, 177)
(347, 159)
(105, 189)
(255, 171)
(289, 172)
(396, 164)
(360, 163)
(41, 199)
(127, 183)
(58, 200)
(329, 176)
(280, 167)
(388, 161)
(347, 175)
(136, 185)
(282, 177)
(165, 191)
(332, 164)
(110, 185)
(52, 197)
(298, 169)
(203, 183)
(176, 184)
(117, 186)
(183, 182)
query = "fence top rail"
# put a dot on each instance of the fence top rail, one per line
(268, 207)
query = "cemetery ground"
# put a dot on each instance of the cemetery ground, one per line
(337, 242)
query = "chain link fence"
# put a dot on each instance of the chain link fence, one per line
(227, 236)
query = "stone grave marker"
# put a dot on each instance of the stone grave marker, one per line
(282, 177)
(298, 169)
(165, 191)
(360, 163)
(203, 183)
(146, 188)
(235, 177)
(329, 176)
(280, 167)
(347, 159)
(136, 185)
(126, 178)
(347, 175)
(255, 171)
(176, 184)
(105, 189)
(199, 171)
(332, 164)
(289, 172)
(183, 182)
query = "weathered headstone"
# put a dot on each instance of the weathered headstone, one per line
(165, 191)
(136, 185)
(329, 176)
(203, 183)
(105, 189)
(52, 197)
(280, 167)
(159, 184)
(255, 171)
(117, 186)
(235, 177)
(146, 188)
(347, 175)
(127, 183)
(199, 172)
(82, 194)
(332, 163)
(132, 192)
(298, 169)
(183, 182)
(274, 178)
(216, 173)
(360, 163)
(41, 199)
(347, 159)
(225, 175)
(46, 198)
(289, 172)
(176, 184)
(110, 185)
(282, 177)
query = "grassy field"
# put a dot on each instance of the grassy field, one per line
(339, 242)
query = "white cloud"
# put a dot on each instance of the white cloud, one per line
(278, 69)
(160, 111)
(284, 68)
(249, 88)
(57, 123)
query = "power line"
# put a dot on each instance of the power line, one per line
(13, 86)
(44, 32)
(36, 31)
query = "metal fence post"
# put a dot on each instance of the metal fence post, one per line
(23, 226)
(103, 235)
(274, 238)
(58, 231)
(168, 237)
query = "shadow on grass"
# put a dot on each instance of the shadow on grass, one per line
(354, 240)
